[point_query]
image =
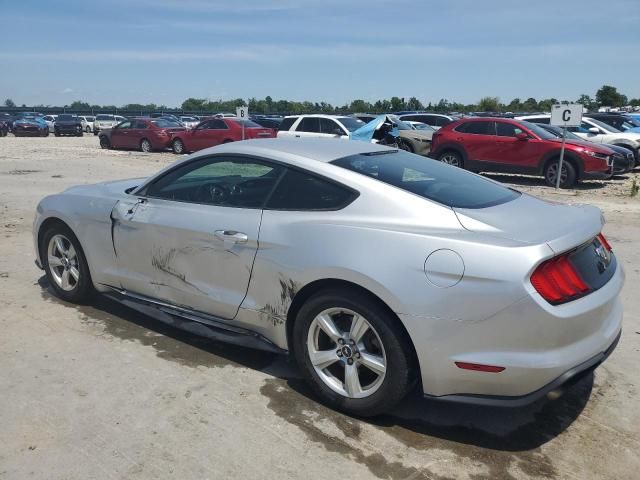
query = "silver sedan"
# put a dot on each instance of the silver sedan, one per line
(377, 269)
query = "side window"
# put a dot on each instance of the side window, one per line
(217, 125)
(441, 121)
(309, 124)
(543, 120)
(203, 126)
(329, 126)
(507, 129)
(286, 123)
(477, 128)
(225, 182)
(124, 125)
(300, 190)
(139, 124)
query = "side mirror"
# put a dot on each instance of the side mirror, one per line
(522, 136)
(594, 130)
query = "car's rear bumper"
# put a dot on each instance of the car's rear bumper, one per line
(552, 390)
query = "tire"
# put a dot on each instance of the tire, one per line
(87, 129)
(405, 145)
(228, 140)
(145, 146)
(80, 134)
(177, 146)
(451, 157)
(105, 144)
(57, 134)
(78, 287)
(384, 338)
(95, 132)
(568, 177)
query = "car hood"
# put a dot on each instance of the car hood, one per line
(596, 147)
(26, 121)
(416, 134)
(105, 189)
(530, 220)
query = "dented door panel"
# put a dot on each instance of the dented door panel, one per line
(170, 251)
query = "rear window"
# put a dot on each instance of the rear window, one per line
(165, 123)
(286, 123)
(247, 123)
(429, 179)
(67, 117)
(477, 128)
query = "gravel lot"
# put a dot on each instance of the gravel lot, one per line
(103, 392)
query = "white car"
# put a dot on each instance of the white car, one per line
(325, 126)
(87, 122)
(103, 121)
(596, 131)
(51, 121)
(421, 126)
(189, 122)
(436, 120)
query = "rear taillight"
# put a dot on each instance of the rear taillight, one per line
(558, 281)
(604, 242)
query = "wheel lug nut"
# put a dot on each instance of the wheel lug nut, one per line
(341, 341)
(339, 352)
(357, 355)
(350, 361)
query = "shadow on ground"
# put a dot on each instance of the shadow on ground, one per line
(540, 182)
(499, 438)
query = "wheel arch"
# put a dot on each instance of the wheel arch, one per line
(569, 156)
(451, 146)
(44, 226)
(327, 284)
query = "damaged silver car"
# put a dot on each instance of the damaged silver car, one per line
(377, 269)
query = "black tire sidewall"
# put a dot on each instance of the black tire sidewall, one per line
(83, 290)
(455, 154)
(399, 375)
(571, 174)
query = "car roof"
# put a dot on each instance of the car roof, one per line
(317, 149)
(317, 115)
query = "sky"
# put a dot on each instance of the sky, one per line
(164, 51)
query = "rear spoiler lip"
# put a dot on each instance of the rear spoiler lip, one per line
(577, 237)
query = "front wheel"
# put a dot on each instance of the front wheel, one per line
(567, 177)
(145, 146)
(88, 129)
(105, 143)
(65, 264)
(354, 354)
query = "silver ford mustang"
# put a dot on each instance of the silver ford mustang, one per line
(375, 268)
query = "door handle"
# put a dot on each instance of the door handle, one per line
(297, 136)
(231, 236)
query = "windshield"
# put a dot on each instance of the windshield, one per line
(66, 117)
(165, 123)
(350, 123)
(557, 132)
(89, 119)
(630, 123)
(604, 126)
(423, 126)
(429, 179)
(105, 118)
(188, 119)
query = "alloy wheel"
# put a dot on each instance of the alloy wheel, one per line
(145, 146)
(450, 159)
(552, 174)
(63, 262)
(346, 352)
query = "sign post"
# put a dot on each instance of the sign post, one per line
(243, 114)
(565, 115)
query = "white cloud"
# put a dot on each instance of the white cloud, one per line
(67, 90)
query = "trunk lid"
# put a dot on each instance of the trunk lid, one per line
(530, 220)
(254, 132)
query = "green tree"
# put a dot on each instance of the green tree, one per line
(194, 104)
(414, 104)
(9, 103)
(397, 104)
(609, 96)
(514, 106)
(360, 106)
(634, 102)
(489, 104)
(530, 105)
(545, 105)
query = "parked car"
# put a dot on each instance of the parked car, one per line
(410, 139)
(491, 296)
(436, 120)
(268, 122)
(189, 121)
(619, 121)
(4, 128)
(597, 132)
(87, 122)
(623, 160)
(30, 126)
(216, 131)
(225, 115)
(51, 120)
(68, 124)
(505, 145)
(144, 134)
(328, 126)
(103, 122)
(421, 126)
(365, 117)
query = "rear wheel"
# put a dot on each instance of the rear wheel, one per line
(145, 145)
(354, 354)
(65, 264)
(567, 177)
(87, 129)
(177, 146)
(452, 158)
(405, 145)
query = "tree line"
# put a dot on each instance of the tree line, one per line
(606, 96)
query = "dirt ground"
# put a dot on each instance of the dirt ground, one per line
(102, 392)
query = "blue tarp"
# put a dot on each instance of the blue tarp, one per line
(366, 132)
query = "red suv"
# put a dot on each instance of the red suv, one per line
(506, 145)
